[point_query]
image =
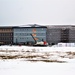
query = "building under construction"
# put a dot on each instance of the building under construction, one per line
(60, 33)
(52, 34)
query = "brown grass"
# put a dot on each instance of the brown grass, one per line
(9, 51)
(47, 61)
(70, 53)
(8, 57)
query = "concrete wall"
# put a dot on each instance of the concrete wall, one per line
(72, 35)
(57, 34)
(53, 35)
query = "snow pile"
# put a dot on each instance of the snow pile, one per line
(64, 45)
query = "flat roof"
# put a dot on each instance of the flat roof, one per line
(23, 26)
(60, 26)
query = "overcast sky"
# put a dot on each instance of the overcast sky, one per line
(19, 12)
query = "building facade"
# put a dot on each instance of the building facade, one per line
(31, 33)
(60, 33)
(72, 34)
(53, 35)
(24, 34)
(65, 35)
(6, 35)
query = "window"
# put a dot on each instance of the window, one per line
(42, 28)
(20, 33)
(2, 34)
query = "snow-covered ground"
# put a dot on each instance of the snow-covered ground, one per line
(15, 67)
(19, 60)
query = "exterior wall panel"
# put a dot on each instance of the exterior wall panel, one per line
(53, 35)
(72, 35)
(23, 34)
(57, 34)
(6, 35)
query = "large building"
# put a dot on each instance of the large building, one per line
(29, 34)
(60, 33)
(22, 34)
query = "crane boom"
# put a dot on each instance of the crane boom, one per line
(41, 43)
(33, 38)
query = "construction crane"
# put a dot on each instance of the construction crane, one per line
(41, 43)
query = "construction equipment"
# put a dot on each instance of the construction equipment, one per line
(41, 43)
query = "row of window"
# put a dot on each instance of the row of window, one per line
(25, 34)
(4, 38)
(5, 34)
(21, 38)
(5, 29)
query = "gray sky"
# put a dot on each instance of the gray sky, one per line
(16, 12)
